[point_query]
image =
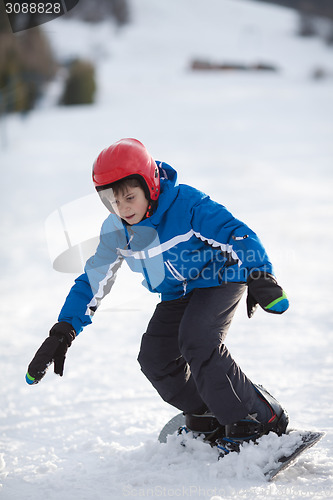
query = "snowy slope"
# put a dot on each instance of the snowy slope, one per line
(260, 143)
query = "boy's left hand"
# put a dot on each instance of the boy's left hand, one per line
(264, 290)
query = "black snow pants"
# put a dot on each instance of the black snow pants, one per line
(184, 357)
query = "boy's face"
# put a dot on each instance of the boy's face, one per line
(132, 205)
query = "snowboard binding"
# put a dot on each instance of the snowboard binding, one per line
(231, 436)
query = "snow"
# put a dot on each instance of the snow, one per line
(260, 143)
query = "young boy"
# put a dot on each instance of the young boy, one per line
(200, 259)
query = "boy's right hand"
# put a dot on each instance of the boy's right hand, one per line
(53, 349)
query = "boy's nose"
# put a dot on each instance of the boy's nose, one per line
(124, 208)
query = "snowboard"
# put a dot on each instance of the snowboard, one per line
(307, 439)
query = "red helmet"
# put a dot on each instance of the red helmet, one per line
(126, 158)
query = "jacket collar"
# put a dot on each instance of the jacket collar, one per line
(168, 193)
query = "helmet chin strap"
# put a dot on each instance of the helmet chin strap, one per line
(150, 209)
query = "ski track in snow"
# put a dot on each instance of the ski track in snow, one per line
(259, 143)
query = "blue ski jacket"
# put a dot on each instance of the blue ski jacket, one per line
(189, 242)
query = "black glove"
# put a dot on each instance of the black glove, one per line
(53, 349)
(264, 290)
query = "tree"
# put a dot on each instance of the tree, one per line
(80, 85)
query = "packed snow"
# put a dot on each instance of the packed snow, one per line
(259, 143)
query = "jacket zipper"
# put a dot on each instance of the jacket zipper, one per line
(176, 274)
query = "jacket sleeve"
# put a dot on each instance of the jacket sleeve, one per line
(96, 282)
(215, 225)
